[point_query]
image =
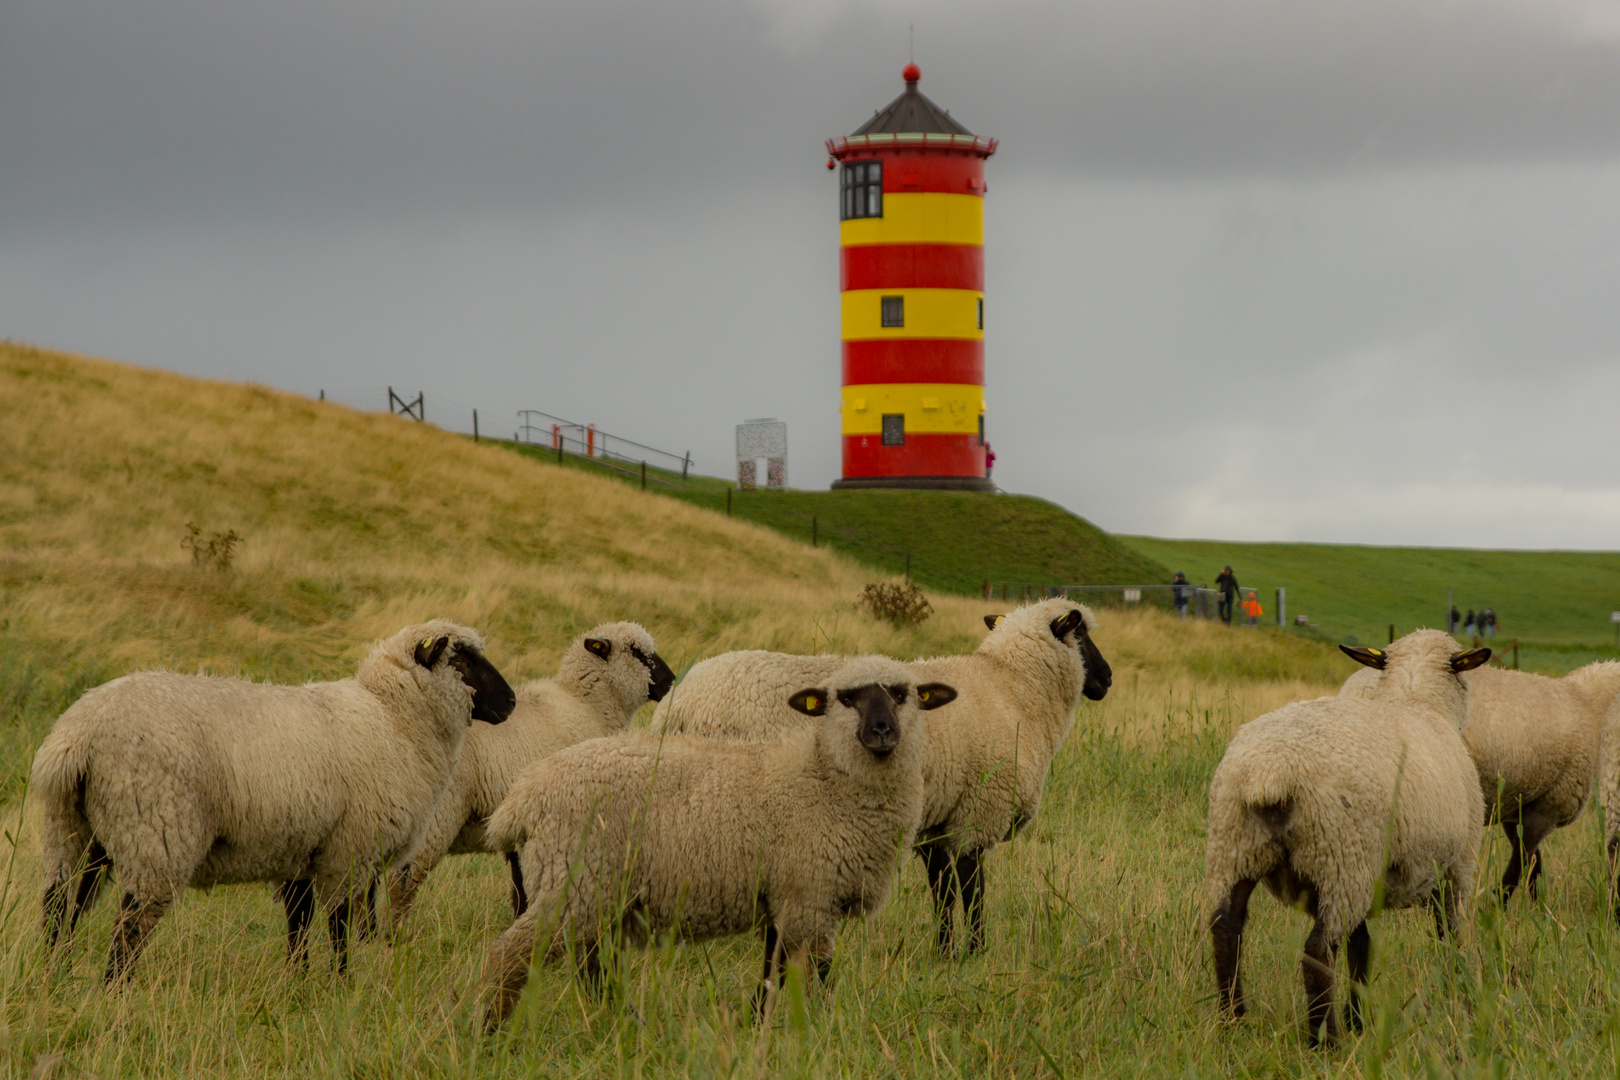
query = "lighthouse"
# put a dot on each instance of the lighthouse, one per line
(911, 235)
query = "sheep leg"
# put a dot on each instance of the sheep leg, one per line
(298, 897)
(1226, 929)
(402, 887)
(508, 968)
(942, 883)
(765, 994)
(337, 928)
(86, 887)
(1535, 826)
(1317, 969)
(520, 899)
(970, 876)
(136, 919)
(1357, 952)
(363, 909)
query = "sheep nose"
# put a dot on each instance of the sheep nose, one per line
(879, 731)
(660, 679)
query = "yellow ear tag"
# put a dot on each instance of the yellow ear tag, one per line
(1000, 619)
(923, 696)
(427, 643)
(812, 703)
(1376, 652)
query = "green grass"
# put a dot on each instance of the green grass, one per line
(1096, 965)
(1556, 603)
(955, 541)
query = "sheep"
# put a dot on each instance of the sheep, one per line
(1324, 799)
(1534, 740)
(181, 780)
(605, 676)
(637, 834)
(988, 753)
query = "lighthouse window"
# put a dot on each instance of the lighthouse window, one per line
(863, 190)
(981, 313)
(894, 311)
(894, 429)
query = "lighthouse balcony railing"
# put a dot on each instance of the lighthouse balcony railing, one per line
(932, 140)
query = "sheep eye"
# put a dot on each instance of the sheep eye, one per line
(898, 693)
(846, 699)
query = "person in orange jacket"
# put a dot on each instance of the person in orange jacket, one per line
(1251, 608)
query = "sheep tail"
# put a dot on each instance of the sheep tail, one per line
(507, 829)
(61, 769)
(1270, 800)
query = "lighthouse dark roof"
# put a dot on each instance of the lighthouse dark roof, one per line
(911, 122)
(912, 111)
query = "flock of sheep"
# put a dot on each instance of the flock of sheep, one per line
(772, 792)
(778, 793)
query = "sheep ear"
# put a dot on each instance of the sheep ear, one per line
(600, 646)
(428, 650)
(1468, 661)
(809, 702)
(993, 621)
(1062, 628)
(1373, 658)
(933, 695)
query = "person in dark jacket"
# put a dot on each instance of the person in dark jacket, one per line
(1181, 592)
(1226, 582)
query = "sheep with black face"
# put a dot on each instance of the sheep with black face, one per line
(1325, 800)
(183, 780)
(605, 676)
(988, 752)
(636, 835)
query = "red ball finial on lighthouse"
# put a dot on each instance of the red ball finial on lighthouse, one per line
(911, 74)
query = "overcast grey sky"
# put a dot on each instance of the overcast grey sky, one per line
(1257, 269)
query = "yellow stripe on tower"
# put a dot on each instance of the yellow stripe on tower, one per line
(928, 313)
(919, 218)
(929, 408)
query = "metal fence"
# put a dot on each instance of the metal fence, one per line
(532, 427)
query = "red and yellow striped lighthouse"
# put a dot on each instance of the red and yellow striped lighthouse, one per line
(912, 237)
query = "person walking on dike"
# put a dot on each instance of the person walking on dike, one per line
(1488, 620)
(1456, 619)
(989, 460)
(1226, 581)
(1468, 622)
(1252, 609)
(1180, 592)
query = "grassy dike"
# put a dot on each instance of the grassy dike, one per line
(1097, 961)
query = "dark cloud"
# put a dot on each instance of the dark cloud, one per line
(1256, 268)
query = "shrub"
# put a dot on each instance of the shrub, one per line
(902, 605)
(217, 551)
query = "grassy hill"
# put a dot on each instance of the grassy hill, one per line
(1556, 603)
(954, 541)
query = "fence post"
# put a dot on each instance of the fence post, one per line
(643, 476)
(475, 425)
(1282, 606)
(559, 451)
(323, 395)
(686, 463)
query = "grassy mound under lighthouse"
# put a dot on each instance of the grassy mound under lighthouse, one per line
(911, 204)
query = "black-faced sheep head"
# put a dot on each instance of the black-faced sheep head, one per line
(493, 699)
(879, 727)
(1099, 676)
(659, 677)
(1376, 658)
